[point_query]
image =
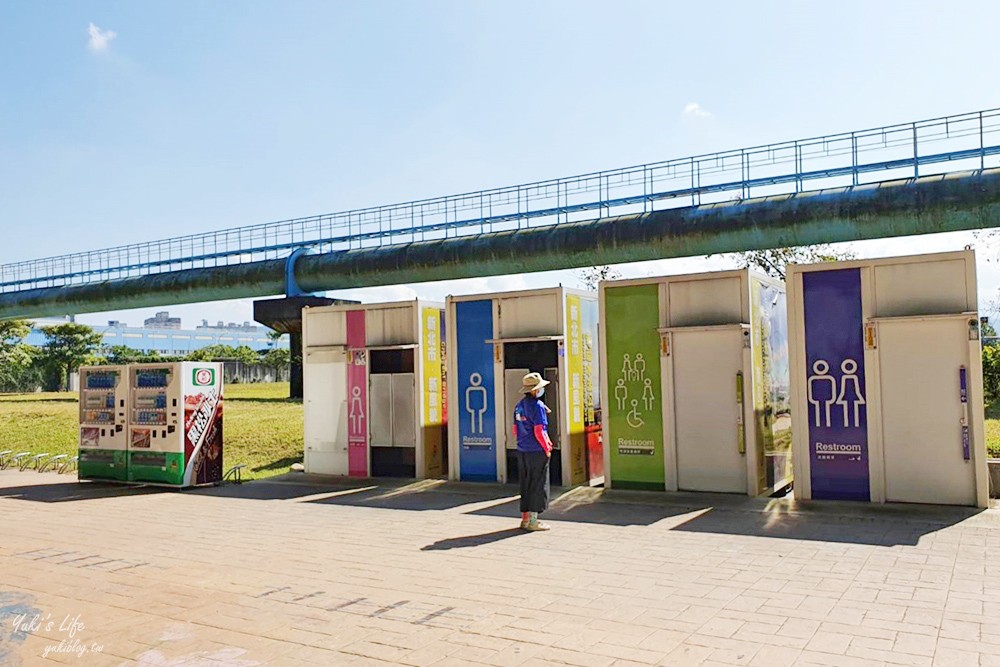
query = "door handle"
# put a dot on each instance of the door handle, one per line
(963, 391)
(741, 434)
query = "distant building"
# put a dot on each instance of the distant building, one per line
(162, 320)
(232, 326)
(170, 341)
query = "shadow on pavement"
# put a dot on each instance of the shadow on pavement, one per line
(592, 506)
(849, 523)
(727, 514)
(474, 540)
(397, 494)
(258, 490)
(68, 491)
(720, 514)
(418, 496)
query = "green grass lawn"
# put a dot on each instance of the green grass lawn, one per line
(262, 427)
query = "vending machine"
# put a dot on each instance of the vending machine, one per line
(103, 423)
(886, 368)
(175, 423)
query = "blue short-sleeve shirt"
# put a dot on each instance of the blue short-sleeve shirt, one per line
(529, 413)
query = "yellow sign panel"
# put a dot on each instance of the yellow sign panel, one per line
(430, 348)
(574, 358)
(432, 386)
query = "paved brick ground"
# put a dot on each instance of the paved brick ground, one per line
(311, 573)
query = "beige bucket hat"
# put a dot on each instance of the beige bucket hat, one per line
(533, 381)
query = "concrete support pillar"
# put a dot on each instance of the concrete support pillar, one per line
(295, 376)
(284, 315)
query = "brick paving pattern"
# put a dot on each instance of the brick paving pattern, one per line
(430, 573)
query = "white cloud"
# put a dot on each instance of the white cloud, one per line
(695, 109)
(99, 39)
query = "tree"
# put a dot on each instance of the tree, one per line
(67, 347)
(246, 355)
(12, 332)
(15, 363)
(121, 355)
(208, 353)
(773, 260)
(17, 372)
(242, 353)
(199, 355)
(986, 330)
(991, 373)
(592, 276)
(276, 358)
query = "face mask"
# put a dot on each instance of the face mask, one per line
(541, 392)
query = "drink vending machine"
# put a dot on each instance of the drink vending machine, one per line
(169, 424)
(175, 430)
(103, 423)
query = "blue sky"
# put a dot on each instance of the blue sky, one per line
(195, 116)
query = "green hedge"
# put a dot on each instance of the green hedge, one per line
(991, 372)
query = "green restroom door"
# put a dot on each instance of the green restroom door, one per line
(635, 391)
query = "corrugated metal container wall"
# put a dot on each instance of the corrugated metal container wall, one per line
(325, 328)
(707, 302)
(924, 288)
(391, 326)
(535, 315)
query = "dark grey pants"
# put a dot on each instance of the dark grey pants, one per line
(533, 475)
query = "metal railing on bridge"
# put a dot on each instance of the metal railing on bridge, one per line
(965, 141)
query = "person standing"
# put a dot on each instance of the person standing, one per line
(534, 451)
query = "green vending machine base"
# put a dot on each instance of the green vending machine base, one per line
(103, 464)
(156, 467)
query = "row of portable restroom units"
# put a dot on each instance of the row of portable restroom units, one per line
(676, 383)
(383, 397)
